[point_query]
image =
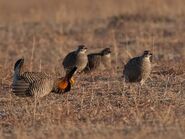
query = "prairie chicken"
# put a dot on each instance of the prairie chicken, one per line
(106, 58)
(101, 60)
(138, 69)
(76, 58)
(38, 84)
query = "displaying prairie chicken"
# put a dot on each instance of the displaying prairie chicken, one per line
(76, 58)
(38, 84)
(101, 60)
(138, 69)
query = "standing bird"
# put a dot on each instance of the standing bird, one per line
(101, 60)
(138, 69)
(38, 84)
(106, 58)
(76, 58)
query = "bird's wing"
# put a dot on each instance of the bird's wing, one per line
(41, 87)
(94, 60)
(34, 76)
(134, 62)
(69, 61)
(132, 69)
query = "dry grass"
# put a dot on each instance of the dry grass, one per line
(100, 105)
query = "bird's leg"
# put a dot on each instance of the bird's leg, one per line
(72, 81)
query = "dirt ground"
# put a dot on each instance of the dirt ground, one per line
(100, 105)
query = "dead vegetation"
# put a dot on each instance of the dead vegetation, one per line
(100, 104)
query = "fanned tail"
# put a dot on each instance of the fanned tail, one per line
(20, 88)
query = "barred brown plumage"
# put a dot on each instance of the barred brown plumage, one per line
(138, 69)
(100, 60)
(76, 58)
(38, 84)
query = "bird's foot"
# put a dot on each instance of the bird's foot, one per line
(72, 81)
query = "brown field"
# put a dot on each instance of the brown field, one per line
(100, 105)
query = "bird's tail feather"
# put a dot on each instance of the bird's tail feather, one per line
(18, 65)
(20, 88)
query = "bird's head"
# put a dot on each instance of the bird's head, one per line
(147, 54)
(106, 52)
(82, 49)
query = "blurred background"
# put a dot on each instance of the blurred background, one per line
(69, 10)
(43, 31)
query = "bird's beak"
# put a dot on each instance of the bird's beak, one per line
(85, 49)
